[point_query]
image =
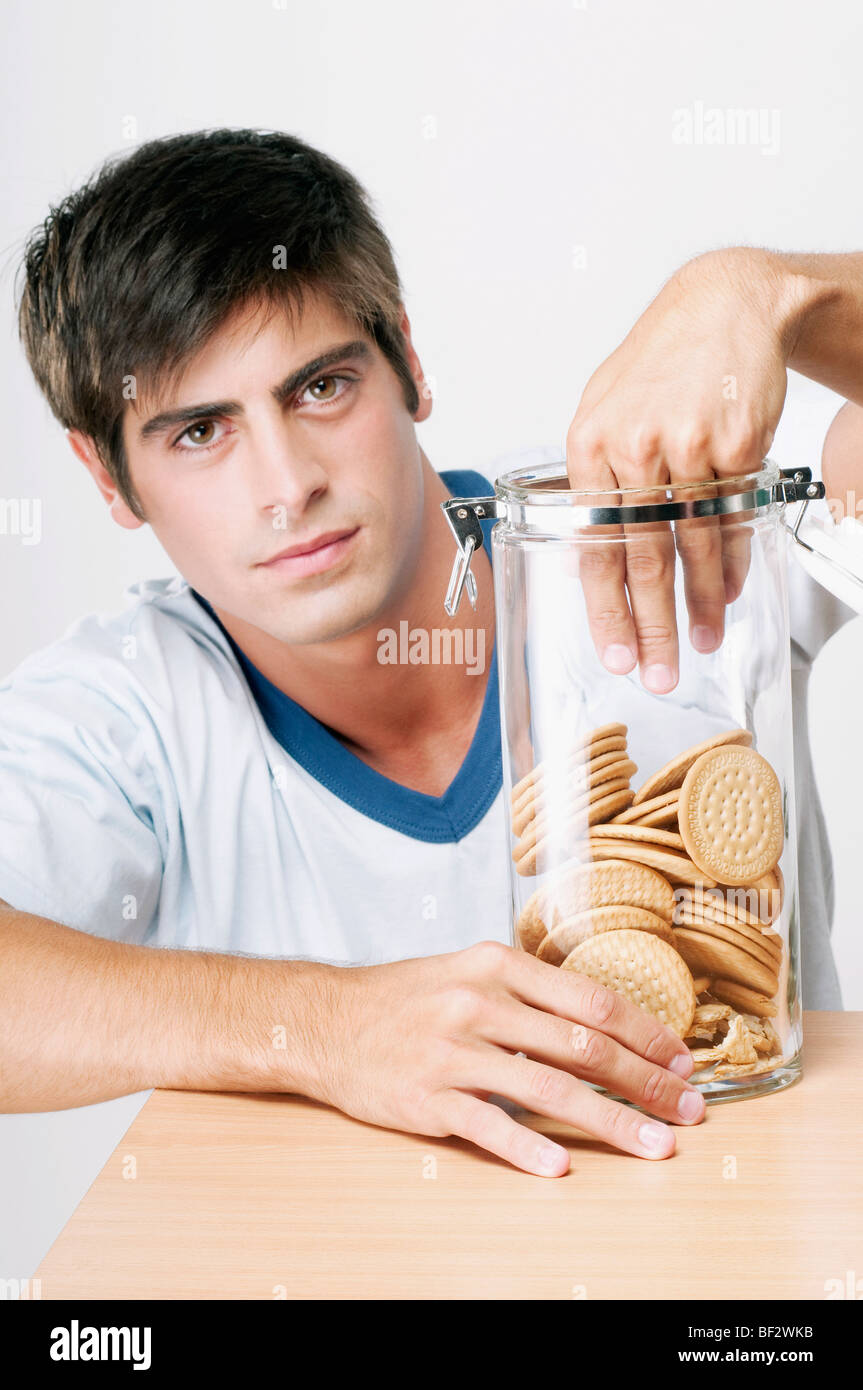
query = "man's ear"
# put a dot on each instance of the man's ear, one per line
(83, 446)
(417, 373)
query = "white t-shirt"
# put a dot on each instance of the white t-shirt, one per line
(156, 788)
(147, 795)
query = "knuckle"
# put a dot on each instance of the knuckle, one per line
(488, 957)
(697, 542)
(655, 1087)
(589, 1047)
(656, 1045)
(694, 443)
(601, 1005)
(617, 1123)
(547, 1086)
(609, 621)
(462, 1008)
(583, 441)
(745, 446)
(653, 635)
(600, 561)
(648, 566)
(644, 444)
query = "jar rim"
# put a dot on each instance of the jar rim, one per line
(531, 485)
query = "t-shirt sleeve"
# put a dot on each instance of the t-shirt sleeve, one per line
(79, 814)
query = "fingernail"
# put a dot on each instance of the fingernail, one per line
(550, 1158)
(653, 1136)
(618, 658)
(689, 1106)
(658, 678)
(681, 1063)
(704, 639)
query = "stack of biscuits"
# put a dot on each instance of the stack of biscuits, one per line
(667, 893)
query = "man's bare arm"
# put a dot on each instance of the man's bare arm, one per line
(415, 1045)
(84, 1019)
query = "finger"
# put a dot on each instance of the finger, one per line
(699, 545)
(736, 555)
(602, 571)
(557, 1095)
(579, 999)
(601, 567)
(490, 1128)
(650, 565)
(594, 1056)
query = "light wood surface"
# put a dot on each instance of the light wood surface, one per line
(261, 1197)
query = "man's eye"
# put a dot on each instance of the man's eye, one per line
(200, 444)
(321, 389)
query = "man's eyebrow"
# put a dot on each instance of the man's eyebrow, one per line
(357, 350)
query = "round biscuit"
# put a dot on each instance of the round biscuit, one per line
(538, 829)
(710, 955)
(638, 834)
(568, 797)
(643, 968)
(730, 814)
(567, 935)
(570, 764)
(749, 1001)
(536, 858)
(581, 887)
(673, 773)
(645, 808)
(771, 956)
(594, 736)
(678, 868)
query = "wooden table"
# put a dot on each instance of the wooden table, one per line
(262, 1196)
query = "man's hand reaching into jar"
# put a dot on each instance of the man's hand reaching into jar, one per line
(693, 394)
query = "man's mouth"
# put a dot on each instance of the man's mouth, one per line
(312, 556)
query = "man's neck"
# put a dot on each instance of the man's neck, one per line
(411, 720)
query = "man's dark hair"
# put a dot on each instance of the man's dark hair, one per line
(132, 273)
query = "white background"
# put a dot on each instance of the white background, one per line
(521, 159)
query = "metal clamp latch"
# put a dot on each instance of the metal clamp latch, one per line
(463, 515)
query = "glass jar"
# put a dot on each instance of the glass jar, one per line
(652, 836)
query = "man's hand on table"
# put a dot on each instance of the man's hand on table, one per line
(693, 393)
(420, 1045)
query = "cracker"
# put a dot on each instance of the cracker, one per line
(643, 968)
(576, 816)
(678, 868)
(645, 808)
(581, 887)
(730, 1069)
(725, 903)
(594, 736)
(704, 953)
(768, 955)
(673, 773)
(742, 997)
(542, 855)
(564, 938)
(569, 799)
(638, 834)
(573, 766)
(730, 814)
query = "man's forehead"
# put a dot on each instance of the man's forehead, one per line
(315, 328)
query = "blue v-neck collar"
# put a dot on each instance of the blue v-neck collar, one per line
(436, 819)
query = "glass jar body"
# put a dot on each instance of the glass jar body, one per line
(640, 824)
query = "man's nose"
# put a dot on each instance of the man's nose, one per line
(283, 474)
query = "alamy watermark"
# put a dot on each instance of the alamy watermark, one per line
(437, 646)
(21, 516)
(699, 124)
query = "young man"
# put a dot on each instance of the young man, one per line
(238, 851)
